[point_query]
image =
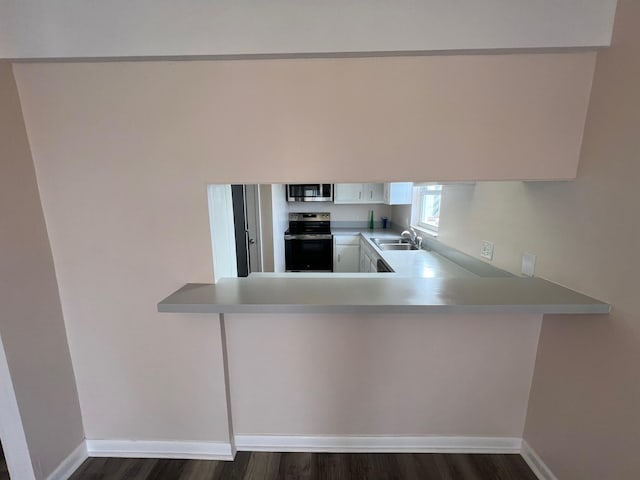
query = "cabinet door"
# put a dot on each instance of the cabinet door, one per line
(374, 193)
(348, 193)
(374, 266)
(367, 263)
(347, 258)
(340, 239)
(398, 193)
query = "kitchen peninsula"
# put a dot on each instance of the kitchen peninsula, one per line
(380, 295)
(420, 281)
(399, 325)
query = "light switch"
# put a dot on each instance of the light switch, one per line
(528, 264)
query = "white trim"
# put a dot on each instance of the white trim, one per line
(223, 236)
(388, 444)
(70, 464)
(14, 440)
(535, 463)
(227, 387)
(160, 449)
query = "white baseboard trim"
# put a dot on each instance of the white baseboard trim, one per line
(70, 464)
(160, 449)
(535, 463)
(384, 444)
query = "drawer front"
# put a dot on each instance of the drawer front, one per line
(347, 239)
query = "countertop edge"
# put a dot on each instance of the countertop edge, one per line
(537, 296)
(384, 309)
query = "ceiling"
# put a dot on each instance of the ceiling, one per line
(52, 29)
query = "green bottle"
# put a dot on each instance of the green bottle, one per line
(371, 220)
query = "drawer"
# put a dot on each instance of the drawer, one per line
(347, 239)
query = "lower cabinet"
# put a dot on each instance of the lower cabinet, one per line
(352, 253)
(346, 258)
(368, 258)
(346, 253)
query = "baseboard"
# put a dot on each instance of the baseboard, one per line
(535, 463)
(160, 449)
(70, 464)
(383, 444)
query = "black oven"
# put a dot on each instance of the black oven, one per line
(308, 244)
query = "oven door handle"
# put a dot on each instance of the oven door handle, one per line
(308, 237)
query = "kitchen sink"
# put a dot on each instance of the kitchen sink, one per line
(397, 246)
(390, 241)
(394, 244)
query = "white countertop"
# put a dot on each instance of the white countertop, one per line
(423, 282)
(417, 263)
(410, 263)
(293, 294)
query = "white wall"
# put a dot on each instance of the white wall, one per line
(124, 151)
(381, 374)
(75, 28)
(266, 226)
(31, 322)
(366, 119)
(221, 223)
(280, 211)
(344, 213)
(401, 215)
(499, 212)
(583, 416)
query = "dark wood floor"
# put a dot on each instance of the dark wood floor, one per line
(313, 466)
(4, 472)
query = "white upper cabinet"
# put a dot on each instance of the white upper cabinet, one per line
(358, 193)
(398, 193)
(348, 193)
(374, 192)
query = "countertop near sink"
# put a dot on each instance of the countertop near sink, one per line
(451, 289)
(410, 263)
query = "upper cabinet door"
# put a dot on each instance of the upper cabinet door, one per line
(374, 192)
(398, 193)
(348, 193)
(358, 193)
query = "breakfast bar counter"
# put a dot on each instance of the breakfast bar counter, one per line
(309, 293)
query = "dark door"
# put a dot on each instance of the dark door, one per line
(240, 226)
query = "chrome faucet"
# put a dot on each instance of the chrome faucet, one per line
(411, 233)
(414, 239)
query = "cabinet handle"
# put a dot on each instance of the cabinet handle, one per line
(338, 258)
(359, 195)
(370, 194)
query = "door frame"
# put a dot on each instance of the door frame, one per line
(252, 204)
(12, 435)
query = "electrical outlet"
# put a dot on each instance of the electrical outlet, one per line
(528, 264)
(486, 250)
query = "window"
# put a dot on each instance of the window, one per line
(427, 206)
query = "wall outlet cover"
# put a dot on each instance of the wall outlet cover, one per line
(486, 250)
(528, 264)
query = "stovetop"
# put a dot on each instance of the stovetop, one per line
(310, 223)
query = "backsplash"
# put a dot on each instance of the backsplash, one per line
(342, 213)
(401, 216)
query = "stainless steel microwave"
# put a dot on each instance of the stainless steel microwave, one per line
(310, 192)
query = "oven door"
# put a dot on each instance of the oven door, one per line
(313, 253)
